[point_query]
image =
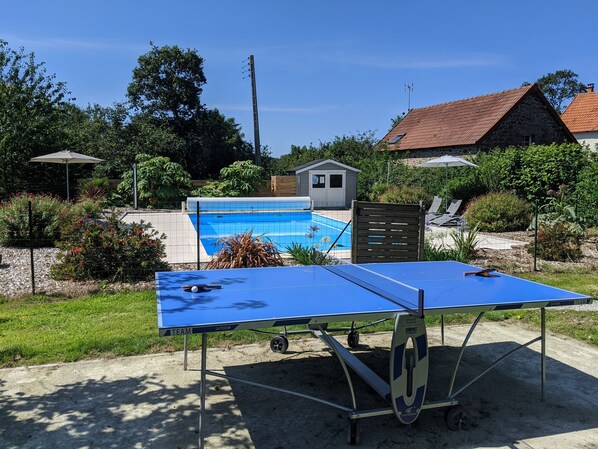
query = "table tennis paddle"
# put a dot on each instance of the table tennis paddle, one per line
(487, 273)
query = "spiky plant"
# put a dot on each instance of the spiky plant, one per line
(246, 251)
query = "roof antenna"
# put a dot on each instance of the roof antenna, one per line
(409, 89)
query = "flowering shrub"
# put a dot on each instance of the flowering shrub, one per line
(110, 250)
(558, 241)
(499, 212)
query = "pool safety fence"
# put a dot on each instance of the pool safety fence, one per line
(190, 235)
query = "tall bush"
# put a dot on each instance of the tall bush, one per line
(48, 220)
(586, 195)
(159, 182)
(110, 250)
(405, 195)
(499, 212)
(241, 178)
(546, 167)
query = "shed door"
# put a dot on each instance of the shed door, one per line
(327, 187)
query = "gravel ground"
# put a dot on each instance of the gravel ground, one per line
(15, 276)
(15, 272)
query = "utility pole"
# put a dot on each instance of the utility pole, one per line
(256, 124)
(409, 89)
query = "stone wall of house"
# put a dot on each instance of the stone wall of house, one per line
(531, 117)
(413, 158)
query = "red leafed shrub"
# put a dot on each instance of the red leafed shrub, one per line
(558, 241)
(109, 249)
(246, 251)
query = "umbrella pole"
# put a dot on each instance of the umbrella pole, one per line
(68, 198)
(446, 187)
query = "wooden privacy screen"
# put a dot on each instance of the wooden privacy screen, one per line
(387, 232)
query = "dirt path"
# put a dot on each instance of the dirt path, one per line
(150, 402)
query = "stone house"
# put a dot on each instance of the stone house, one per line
(516, 117)
(581, 117)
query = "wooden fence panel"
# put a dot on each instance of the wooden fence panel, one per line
(384, 232)
(284, 185)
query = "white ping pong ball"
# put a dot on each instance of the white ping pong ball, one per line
(194, 289)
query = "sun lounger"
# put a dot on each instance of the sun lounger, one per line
(450, 216)
(434, 208)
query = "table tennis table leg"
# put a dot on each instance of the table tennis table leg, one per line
(202, 387)
(185, 348)
(543, 352)
(442, 329)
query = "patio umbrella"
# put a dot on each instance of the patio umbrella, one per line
(66, 158)
(446, 162)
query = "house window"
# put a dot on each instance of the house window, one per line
(527, 141)
(396, 139)
(318, 181)
(336, 181)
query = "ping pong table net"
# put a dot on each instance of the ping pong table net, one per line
(405, 296)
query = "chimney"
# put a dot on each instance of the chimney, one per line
(590, 87)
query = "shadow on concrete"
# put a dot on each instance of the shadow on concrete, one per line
(504, 405)
(138, 412)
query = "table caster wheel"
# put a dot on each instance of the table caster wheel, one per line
(353, 432)
(457, 418)
(279, 344)
(353, 339)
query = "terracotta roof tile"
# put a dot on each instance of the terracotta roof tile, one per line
(462, 122)
(582, 114)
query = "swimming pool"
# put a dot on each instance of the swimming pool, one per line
(283, 228)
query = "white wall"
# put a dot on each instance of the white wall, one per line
(590, 139)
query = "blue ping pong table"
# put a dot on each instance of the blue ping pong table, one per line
(200, 302)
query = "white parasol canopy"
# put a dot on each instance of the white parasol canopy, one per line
(66, 158)
(447, 161)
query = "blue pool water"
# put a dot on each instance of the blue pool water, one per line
(284, 229)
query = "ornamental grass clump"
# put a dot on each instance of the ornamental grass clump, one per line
(48, 214)
(111, 250)
(499, 212)
(246, 251)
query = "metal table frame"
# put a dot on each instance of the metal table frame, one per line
(348, 360)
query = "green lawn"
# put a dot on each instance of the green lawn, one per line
(42, 329)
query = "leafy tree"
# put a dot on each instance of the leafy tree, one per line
(241, 178)
(167, 83)
(165, 92)
(213, 142)
(160, 182)
(396, 120)
(560, 86)
(30, 108)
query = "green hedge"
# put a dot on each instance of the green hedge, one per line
(499, 212)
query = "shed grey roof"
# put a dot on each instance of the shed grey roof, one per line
(316, 163)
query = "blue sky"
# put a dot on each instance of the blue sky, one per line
(323, 68)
